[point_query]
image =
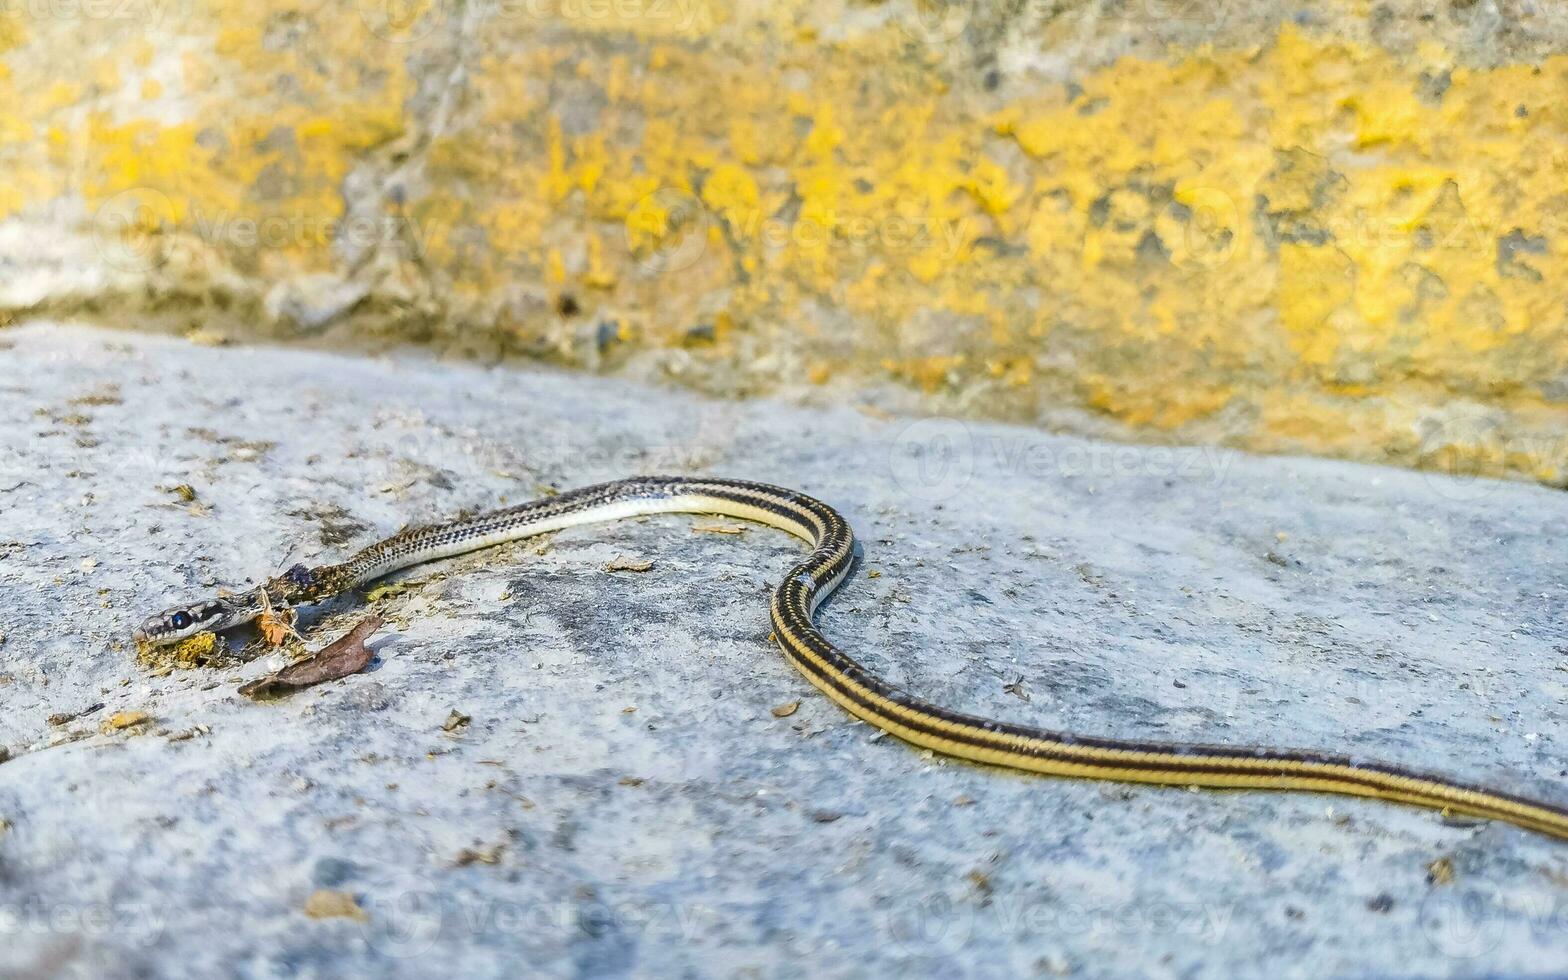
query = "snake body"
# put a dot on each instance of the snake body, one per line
(841, 677)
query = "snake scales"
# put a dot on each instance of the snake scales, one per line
(843, 679)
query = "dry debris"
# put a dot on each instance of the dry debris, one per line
(719, 528)
(66, 717)
(276, 623)
(329, 904)
(479, 855)
(342, 657)
(121, 720)
(201, 650)
(627, 565)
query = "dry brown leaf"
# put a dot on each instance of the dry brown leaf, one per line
(342, 657)
(455, 720)
(786, 709)
(628, 565)
(329, 904)
(719, 528)
(1441, 871)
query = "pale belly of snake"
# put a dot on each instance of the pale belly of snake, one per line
(840, 676)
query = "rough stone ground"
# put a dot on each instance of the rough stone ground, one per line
(624, 800)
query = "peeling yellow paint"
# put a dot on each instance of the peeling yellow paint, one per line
(1302, 245)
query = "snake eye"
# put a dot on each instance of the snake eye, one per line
(180, 620)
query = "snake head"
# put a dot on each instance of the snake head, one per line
(180, 622)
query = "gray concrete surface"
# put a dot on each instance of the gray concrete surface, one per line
(624, 800)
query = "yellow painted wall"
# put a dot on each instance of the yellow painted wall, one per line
(1285, 237)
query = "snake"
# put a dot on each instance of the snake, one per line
(794, 603)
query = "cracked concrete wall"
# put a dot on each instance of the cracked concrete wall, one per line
(1334, 231)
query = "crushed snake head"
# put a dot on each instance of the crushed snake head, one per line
(181, 622)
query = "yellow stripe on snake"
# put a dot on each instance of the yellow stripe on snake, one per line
(843, 679)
